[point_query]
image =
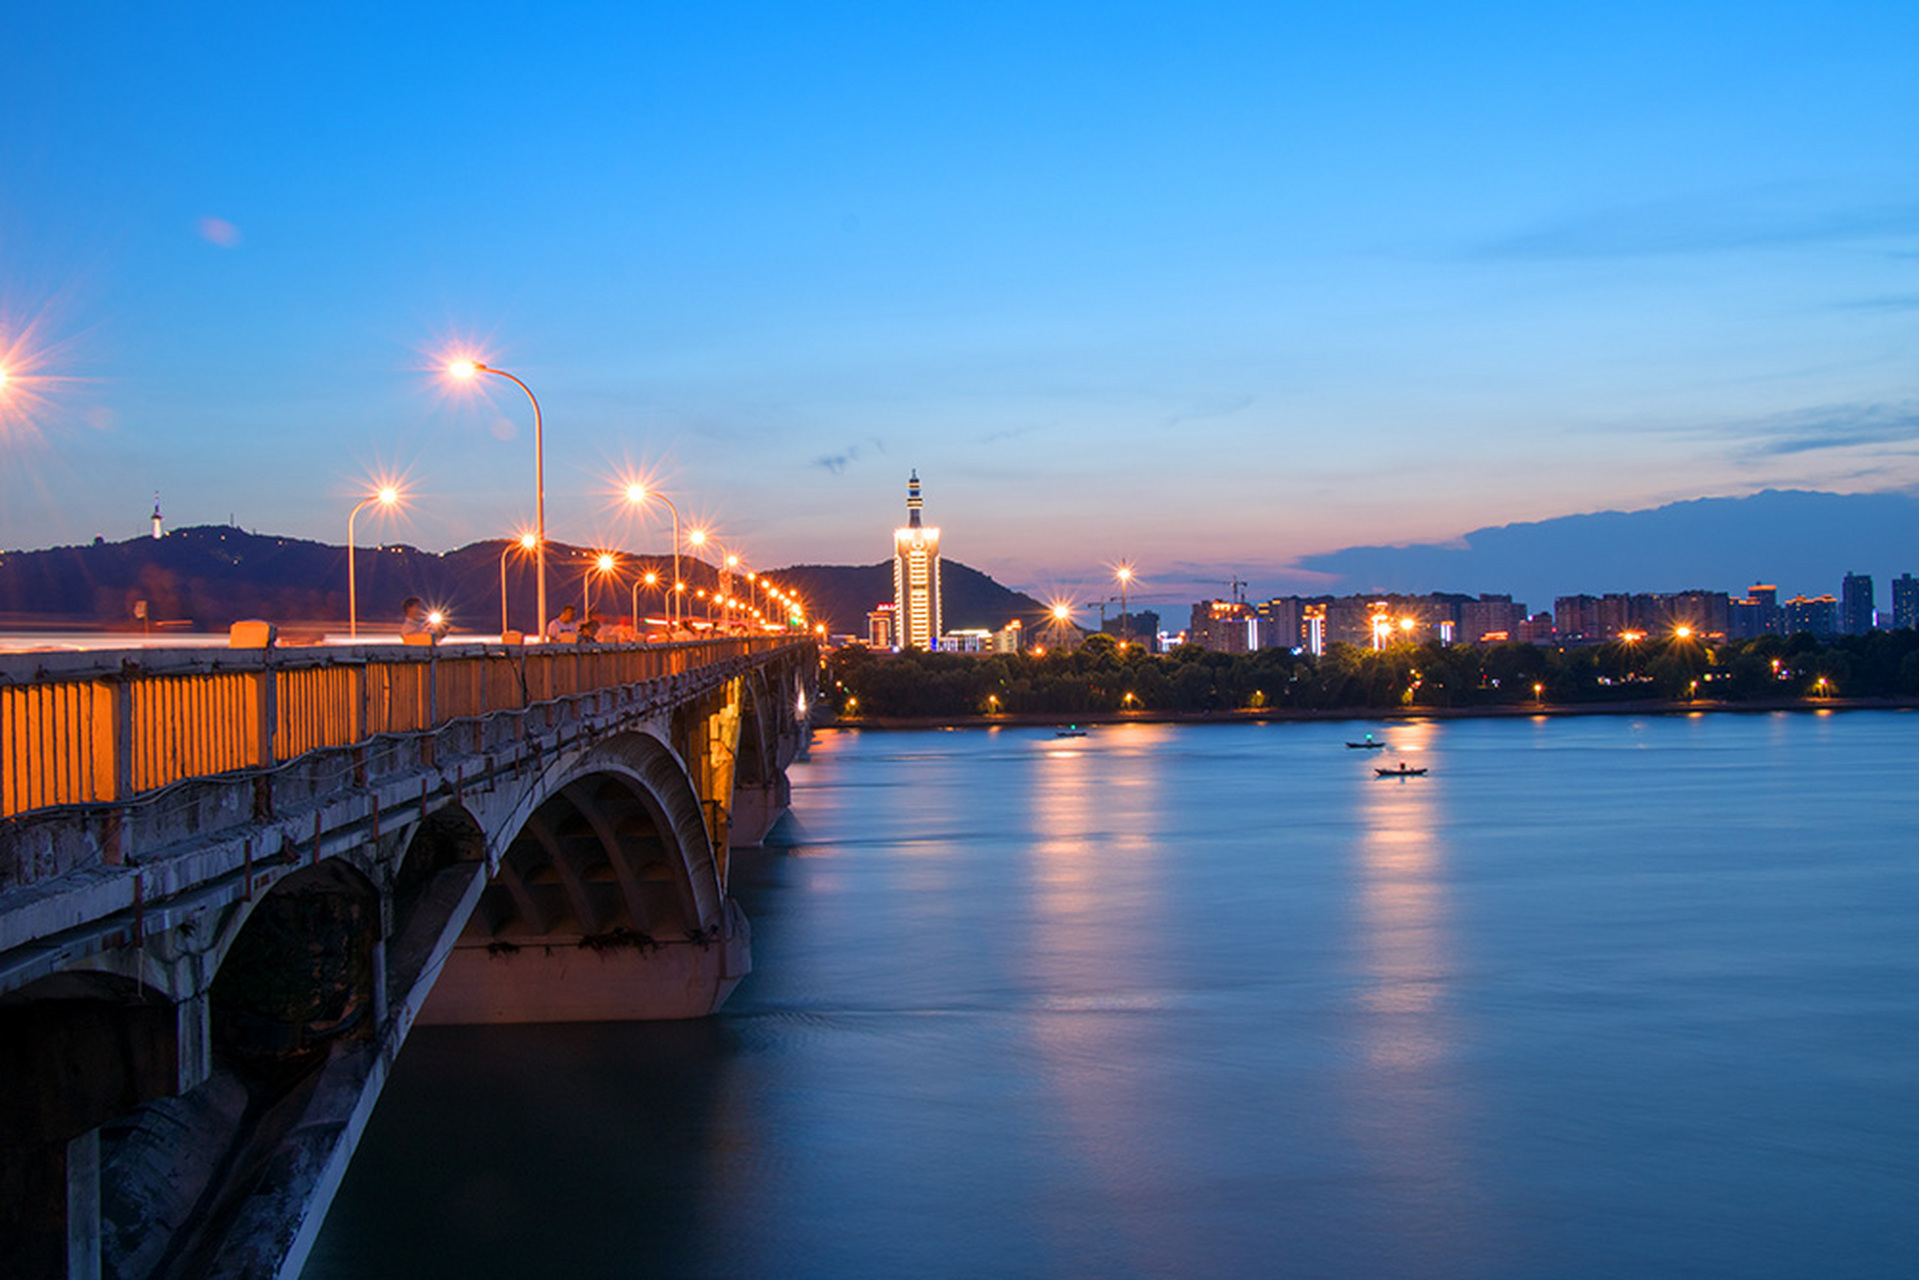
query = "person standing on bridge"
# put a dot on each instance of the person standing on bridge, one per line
(564, 627)
(416, 621)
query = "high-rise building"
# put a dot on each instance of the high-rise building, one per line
(1905, 602)
(916, 576)
(1819, 616)
(1224, 626)
(1855, 604)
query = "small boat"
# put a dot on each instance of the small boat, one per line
(1402, 770)
(1070, 731)
(1371, 744)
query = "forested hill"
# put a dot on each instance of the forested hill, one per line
(209, 576)
(842, 596)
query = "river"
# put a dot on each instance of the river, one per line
(1595, 997)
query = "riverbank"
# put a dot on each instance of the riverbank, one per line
(1639, 707)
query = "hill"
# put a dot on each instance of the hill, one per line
(208, 576)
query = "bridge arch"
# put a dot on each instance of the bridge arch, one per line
(604, 900)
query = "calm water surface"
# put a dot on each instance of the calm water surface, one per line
(1597, 997)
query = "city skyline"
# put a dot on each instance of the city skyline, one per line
(1225, 287)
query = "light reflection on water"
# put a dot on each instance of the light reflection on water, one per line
(1594, 998)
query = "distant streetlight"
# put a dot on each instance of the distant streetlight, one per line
(649, 579)
(385, 496)
(466, 370)
(1125, 575)
(637, 494)
(603, 564)
(525, 542)
(697, 540)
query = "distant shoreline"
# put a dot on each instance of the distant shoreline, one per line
(1645, 707)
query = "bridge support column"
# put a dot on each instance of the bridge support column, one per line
(83, 1207)
(624, 977)
(756, 807)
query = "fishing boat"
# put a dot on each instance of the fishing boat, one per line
(1401, 770)
(1069, 731)
(1371, 744)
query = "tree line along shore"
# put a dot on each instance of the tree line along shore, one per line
(1102, 678)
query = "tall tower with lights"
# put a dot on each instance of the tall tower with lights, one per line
(159, 526)
(916, 576)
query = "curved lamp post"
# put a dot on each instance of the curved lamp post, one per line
(650, 579)
(638, 494)
(602, 563)
(697, 538)
(525, 542)
(386, 497)
(469, 369)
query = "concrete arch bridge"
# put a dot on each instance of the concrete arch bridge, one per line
(232, 881)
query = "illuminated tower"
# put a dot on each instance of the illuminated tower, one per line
(159, 530)
(916, 576)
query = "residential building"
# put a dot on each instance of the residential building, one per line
(1856, 604)
(1905, 602)
(1224, 626)
(1819, 615)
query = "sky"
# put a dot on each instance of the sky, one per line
(1203, 286)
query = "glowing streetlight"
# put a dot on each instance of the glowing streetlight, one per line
(466, 370)
(637, 494)
(524, 543)
(385, 496)
(603, 564)
(1125, 575)
(649, 579)
(697, 540)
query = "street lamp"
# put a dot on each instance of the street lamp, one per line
(466, 370)
(650, 579)
(637, 493)
(1125, 575)
(697, 540)
(386, 496)
(603, 564)
(525, 542)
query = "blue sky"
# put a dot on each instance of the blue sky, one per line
(1207, 286)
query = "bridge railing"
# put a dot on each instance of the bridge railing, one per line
(93, 728)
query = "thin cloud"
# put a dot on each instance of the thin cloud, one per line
(1886, 302)
(1700, 226)
(1214, 407)
(1825, 427)
(837, 463)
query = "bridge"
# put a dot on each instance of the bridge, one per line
(232, 881)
